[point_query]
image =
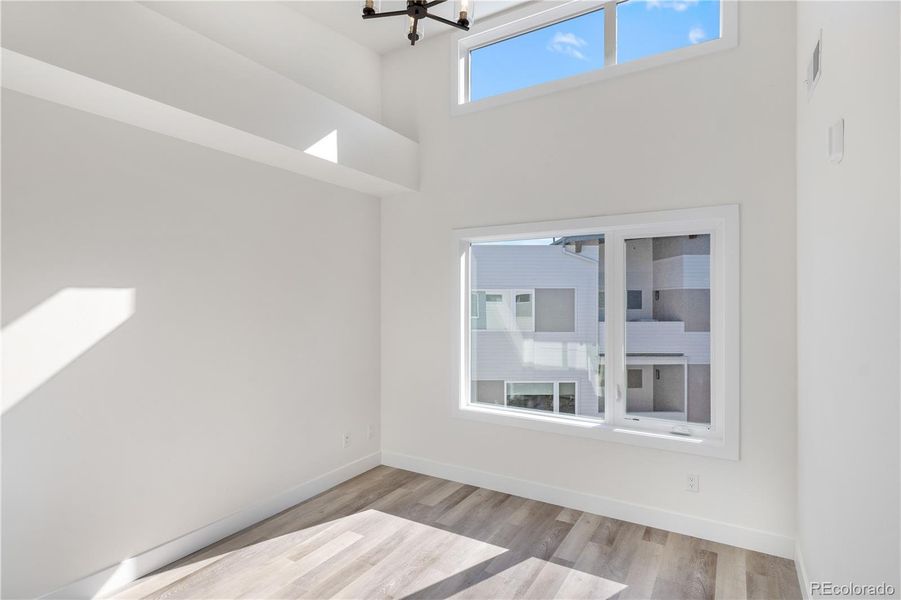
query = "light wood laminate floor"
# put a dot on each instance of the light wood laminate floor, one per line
(395, 534)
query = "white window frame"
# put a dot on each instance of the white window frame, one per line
(535, 16)
(721, 438)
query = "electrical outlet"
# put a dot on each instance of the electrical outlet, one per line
(345, 440)
(693, 483)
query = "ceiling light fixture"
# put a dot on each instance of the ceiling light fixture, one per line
(419, 9)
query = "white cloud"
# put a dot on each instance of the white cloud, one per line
(568, 44)
(697, 35)
(676, 5)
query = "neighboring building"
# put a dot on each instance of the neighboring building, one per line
(538, 326)
(535, 327)
(668, 328)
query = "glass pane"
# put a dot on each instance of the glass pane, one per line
(524, 305)
(567, 398)
(648, 27)
(536, 396)
(488, 392)
(495, 312)
(601, 385)
(668, 340)
(633, 299)
(560, 50)
(524, 312)
(567, 353)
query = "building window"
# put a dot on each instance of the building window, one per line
(537, 49)
(675, 377)
(635, 378)
(536, 396)
(523, 311)
(502, 310)
(567, 397)
(633, 299)
(546, 396)
(494, 312)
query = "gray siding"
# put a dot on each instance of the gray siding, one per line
(680, 245)
(669, 390)
(699, 393)
(692, 307)
(640, 398)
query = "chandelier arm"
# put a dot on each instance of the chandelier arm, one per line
(434, 3)
(447, 22)
(393, 13)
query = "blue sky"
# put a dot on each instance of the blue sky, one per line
(644, 27)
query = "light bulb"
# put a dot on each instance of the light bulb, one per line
(465, 14)
(420, 29)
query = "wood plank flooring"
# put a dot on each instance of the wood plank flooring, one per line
(395, 534)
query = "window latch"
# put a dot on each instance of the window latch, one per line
(619, 393)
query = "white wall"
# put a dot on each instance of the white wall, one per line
(278, 36)
(713, 130)
(848, 295)
(253, 345)
(145, 53)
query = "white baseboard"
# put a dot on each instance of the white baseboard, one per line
(803, 581)
(716, 531)
(117, 575)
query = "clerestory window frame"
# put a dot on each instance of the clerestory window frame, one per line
(514, 23)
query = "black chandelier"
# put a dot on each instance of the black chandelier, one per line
(419, 9)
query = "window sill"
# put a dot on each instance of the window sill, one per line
(599, 430)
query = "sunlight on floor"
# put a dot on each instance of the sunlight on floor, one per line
(40, 343)
(366, 554)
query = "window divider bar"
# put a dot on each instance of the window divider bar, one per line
(614, 299)
(610, 33)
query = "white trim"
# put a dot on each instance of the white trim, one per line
(801, 570)
(718, 531)
(520, 21)
(118, 575)
(721, 439)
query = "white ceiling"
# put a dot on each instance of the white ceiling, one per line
(385, 35)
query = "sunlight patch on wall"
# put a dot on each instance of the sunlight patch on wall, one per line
(326, 148)
(50, 336)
